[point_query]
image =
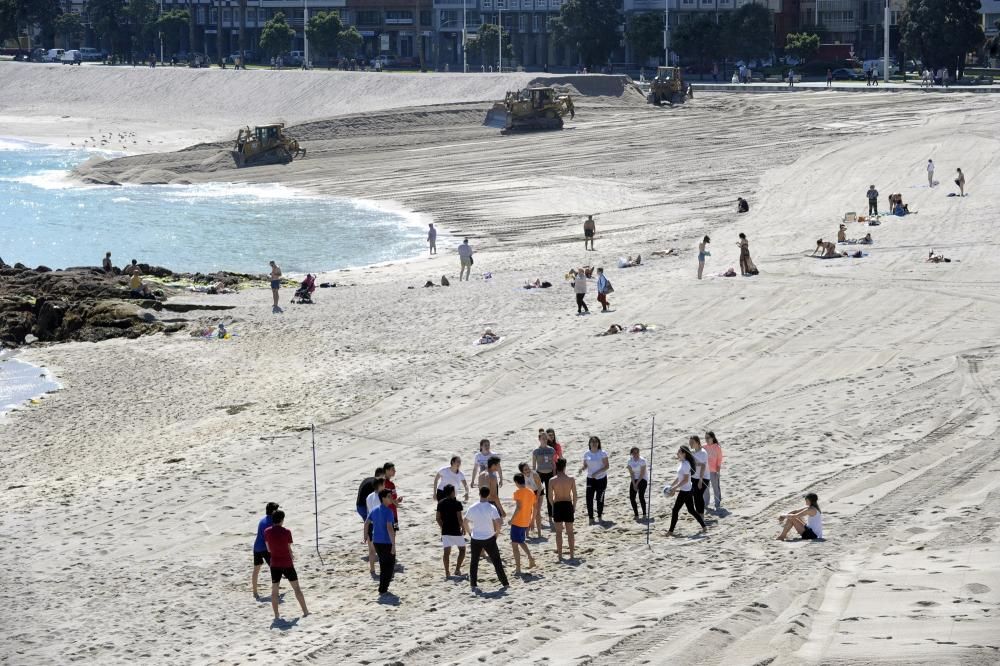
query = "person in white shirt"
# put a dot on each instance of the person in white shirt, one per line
(700, 478)
(808, 521)
(450, 475)
(930, 173)
(373, 502)
(485, 525)
(483, 457)
(595, 462)
(465, 257)
(682, 487)
(638, 480)
(580, 287)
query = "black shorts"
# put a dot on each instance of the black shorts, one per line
(261, 556)
(562, 512)
(807, 533)
(588, 233)
(287, 572)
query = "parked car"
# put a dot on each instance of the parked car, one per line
(293, 59)
(53, 55)
(38, 55)
(90, 54)
(71, 57)
(844, 74)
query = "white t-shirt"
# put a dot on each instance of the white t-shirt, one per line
(815, 523)
(372, 501)
(482, 515)
(483, 458)
(683, 470)
(594, 462)
(465, 250)
(447, 476)
(635, 465)
(701, 458)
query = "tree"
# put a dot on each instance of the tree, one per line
(243, 31)
(748, 33)
(276, 36)
(141, 16)
(487, 43)
(589, 26)
(699, 39)
(323, 31)
(349, 41)
(644, 32)
(942, 32)
(173, 24)
(69, 27)
(802, 45)
(110, 22)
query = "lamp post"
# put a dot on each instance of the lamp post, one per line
(305, 36)
(500, 22)
(161, 34)
(666, 32)
(885, 44)
(465, 65)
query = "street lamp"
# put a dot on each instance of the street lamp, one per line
(885, 44)
(161, 33)
(465, 65)
(500, 22)
(305, 36)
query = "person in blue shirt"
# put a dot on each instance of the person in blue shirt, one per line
(260, 554)
(382, 523)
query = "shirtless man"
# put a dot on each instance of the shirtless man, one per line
(589, 229)
(489, 478)
(275, 285)
(829, 249)
(562, 499)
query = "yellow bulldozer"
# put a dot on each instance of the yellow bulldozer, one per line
(265, 144)
(669, 87)
(535, 108)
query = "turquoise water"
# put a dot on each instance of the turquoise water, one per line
(47, 219)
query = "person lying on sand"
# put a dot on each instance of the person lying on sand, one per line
(630, 262)
(808, 521)
(867, 240)
(638, 328)
(828, 249)
(664, 253)
(937, 258)
(537, 284)
(614, 329)
(489, 337)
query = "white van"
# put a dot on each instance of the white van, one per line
(71, 57)
(53, 55)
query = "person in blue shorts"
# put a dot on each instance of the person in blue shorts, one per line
(525, 500)
(275, 285)
(260, 554)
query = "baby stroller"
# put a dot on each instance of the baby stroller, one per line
(304, 293)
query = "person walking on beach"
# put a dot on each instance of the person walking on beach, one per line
(489, 479)
(808, 521)
(702, 253)
(275, 286)
(449, 476)
(432, 235)
(714, 450)
(449, 519)
(595, 462)
(520, 522)
(260, 554)
(106, 264)
(383, 531)
(699, 477)
(562, 499)
(279, 544)
(543, 461)
(465, 259)
(930, 173)
(872, 200)
(589, 230)
(638, 481)
(481, 460)
(603, 289)
(486, 524)
(681, 486)
(829, 78)
(580, 287)
(747, 267)
(960, 181)
(533, 483)
(372, 502)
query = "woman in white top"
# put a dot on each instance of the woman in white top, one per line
(450, 475)
(700, 479)
(639, 479)
(534, 483)
(682, 486)
(808, 521)
(482, 457)
(595, 461)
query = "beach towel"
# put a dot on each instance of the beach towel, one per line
(478, 342)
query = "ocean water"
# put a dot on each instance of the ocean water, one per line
(48, 219)
(20, 382)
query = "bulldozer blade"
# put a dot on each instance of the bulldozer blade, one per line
(497, 117)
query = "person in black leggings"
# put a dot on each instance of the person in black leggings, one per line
(639, 479)
(543, 461)
(682, 486)
(595, 462)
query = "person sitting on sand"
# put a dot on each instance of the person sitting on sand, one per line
(842, 234)
(829, 250)
(808, 521)
(937, 258)
(614, 329)
(742, 206)
(489, 337)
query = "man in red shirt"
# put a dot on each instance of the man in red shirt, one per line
(279, 544)
(390, 474)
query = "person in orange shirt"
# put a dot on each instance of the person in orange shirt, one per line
(525, 499)
(714, 450)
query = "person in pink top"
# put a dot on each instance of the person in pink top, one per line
(714, 450)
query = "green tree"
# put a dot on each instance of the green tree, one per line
(323, 31)
(19, 17)
(110, 22)
(69, 27)
(748, 34)
(8, 19)
(173, 24)
(141, 16)
(349, 41)
(942, 32)
(802, 45)
(589, 26)
(644, 33)
(699, 39)
(487, 44)
(276, 36)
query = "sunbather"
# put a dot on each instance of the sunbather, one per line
(630, 262)
(614, 329)
(638, 328)
(828, 249)
(937, 258)
(488, 337)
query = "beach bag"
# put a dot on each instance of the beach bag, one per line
(610, 289)
(471, 261)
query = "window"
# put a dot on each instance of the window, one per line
(425, 17)
(538, 22)
(450, 19)
(200, 16)
(227, 15)
(369, 17)
(522, 23)
(212, 16)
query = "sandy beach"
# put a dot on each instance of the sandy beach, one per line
(134, 492)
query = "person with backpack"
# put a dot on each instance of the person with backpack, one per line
(603, 289)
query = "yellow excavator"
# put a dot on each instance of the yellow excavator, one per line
(535, 108)
(669, 87)
(265, 144)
